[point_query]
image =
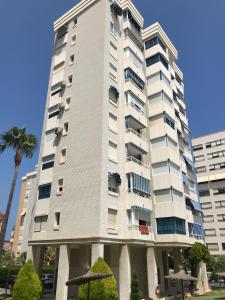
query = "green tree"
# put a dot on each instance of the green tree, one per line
(7, 258)
(196, 254)
(134, 287)
(21, 259)
(28, 285)
(49, 256)
(22, 144)
(104, 289)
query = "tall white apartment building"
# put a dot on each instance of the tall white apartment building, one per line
(209, 154)
(115, 177)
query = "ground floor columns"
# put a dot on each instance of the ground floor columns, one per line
(63, 273)
(124, 273)
(96, 252)
(202, 283)
(152, 273)
(36, 253)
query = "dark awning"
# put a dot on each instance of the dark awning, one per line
(195, 205)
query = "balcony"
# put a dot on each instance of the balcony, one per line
(166, 181)
(162, 129)
(128, 43)
(133, 165)
(137, 140)
(154, 50)
(58, 78)
(158, 86)
(131, 110)
(130, 86)
(139, 71)
(127, 25)
(140, 232)
(159, 107)
(133, 199)
(61, 41)
(52, 123)
(157, 67)
(164, 154)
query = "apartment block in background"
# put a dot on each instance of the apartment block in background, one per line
(20, 233)
(115, 177)
(209, 152)
(2, 215)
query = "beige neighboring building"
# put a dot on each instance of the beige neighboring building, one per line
(115, 176)
(209, 152)
(2, 215)
(21, 230)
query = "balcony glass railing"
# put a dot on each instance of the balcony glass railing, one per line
(138, 109)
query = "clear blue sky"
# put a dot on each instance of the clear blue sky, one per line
(197, 28)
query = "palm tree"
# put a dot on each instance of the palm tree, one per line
(22, 144)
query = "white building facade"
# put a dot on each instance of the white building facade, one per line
(209, 152)
(115, 177)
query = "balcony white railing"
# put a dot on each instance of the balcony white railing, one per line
(136, 161)
(136, 108)
(136, 133)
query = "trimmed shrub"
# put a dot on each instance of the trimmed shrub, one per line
(134, 287)
(104, 289)
(28, 285)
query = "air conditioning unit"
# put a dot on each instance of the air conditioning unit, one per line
(58, 131)
(62, 105)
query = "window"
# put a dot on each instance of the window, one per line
(74, 23)
(219, 191)
(220, 204)
(44, 191)
(65, 128)
(53, 112)
(112, 151)
(62, 31)
(215, 143)
(128, 53)
(220, 217)
(199, 158)
(113, 122)
(206, 205)
(210, 232)
(57, 219)
(112, 219)
(208, 219)
(171, 225)
(204, 193)
(200, 169)
(74, 39)
(213, 246)
(60, 186)
(131, 75)
(127, 15)
(113, 29)
(70, 79)
(113, 50)
(47, 165)
(63, 156)
(169, 121)
(113, 95)
(40, 223)
(135, 102)
(68, 101)
(157, 58)
(223, 246)
(50, 136)
(222, 231)
(113, 72)
(114, 181)
(71, 59)
(217, 166)
(138, 185)
(154, 41)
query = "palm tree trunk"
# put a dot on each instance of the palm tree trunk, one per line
(9, 203)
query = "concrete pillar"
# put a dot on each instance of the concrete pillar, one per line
(124, 274)
(63, 273)
(202, 283)
(36, 254)
(152, 273)
(177, 259)
(96, 252)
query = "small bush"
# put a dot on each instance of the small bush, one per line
(28, 285)
(7, 272)
(104, 289)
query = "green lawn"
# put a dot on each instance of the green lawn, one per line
(216, 295)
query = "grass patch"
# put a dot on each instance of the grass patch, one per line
(215, 295)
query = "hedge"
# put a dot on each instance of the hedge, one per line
(7, 271)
